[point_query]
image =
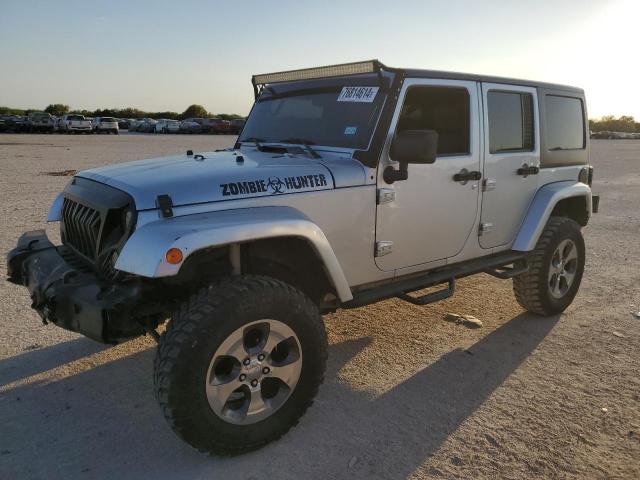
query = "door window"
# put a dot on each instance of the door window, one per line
(510, 121)
(443, 109)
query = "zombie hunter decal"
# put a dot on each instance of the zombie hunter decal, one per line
(274, 185)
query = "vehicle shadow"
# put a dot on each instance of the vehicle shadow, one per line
(40, 360)
(104, 422)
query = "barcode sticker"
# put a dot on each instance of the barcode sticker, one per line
(358, 94)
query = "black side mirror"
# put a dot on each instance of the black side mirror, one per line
(411, 146)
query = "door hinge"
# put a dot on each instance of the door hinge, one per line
(386, 195)
(383, 248)
(488, 184)
(485, 228)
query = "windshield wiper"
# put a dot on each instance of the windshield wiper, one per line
(253, 140)
(305, 143)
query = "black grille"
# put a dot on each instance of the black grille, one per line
(81, 227)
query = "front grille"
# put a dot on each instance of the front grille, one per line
(81, 227)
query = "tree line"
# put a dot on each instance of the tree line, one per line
(59, 109)
(609, 123)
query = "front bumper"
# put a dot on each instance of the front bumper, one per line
(68, 294)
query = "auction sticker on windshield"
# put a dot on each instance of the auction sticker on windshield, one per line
(358, 94)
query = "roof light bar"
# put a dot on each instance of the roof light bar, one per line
(354, 68)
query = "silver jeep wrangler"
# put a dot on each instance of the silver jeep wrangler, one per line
(349, 184)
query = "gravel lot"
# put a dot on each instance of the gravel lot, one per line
(407, 394)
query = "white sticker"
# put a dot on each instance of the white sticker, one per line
(350, 130)
(358, 94)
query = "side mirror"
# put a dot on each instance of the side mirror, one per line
(411, 146)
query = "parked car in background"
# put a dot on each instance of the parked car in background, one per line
(198, 120)
(166, 125)
(40, 122)
(236, 126)
(147, 125)
(57, 123)
(16, 123)
(215, 125)
(190, 126)
(73, 122)
(124, 123)
(105, 125)
(133, 125)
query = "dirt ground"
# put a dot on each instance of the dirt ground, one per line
(407, 394)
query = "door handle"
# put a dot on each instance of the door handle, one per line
(527, 170)
(465, 175)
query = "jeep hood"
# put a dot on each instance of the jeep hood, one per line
(222, 176)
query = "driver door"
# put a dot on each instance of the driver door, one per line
(430, 216)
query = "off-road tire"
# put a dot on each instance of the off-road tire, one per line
(193, 335)
(532, 287)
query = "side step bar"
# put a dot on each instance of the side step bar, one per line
(493, 264)
(430, 297)
(506, 272)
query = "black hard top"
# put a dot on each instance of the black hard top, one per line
(416, 73)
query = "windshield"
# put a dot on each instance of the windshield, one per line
(334, 116)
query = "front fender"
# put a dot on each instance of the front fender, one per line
(55, 211)
(540, 210)
(144, 253)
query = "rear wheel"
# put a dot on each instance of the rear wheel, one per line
(240, 363)
(555, 269)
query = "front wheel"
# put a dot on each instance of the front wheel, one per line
(555, 269)
(240, 364)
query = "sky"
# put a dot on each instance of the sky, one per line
(160, 55)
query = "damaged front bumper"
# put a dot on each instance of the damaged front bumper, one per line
(68, 294)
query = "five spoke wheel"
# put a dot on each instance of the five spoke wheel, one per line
(562, 271)
(253, 371)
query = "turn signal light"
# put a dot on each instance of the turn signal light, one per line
(174, 256)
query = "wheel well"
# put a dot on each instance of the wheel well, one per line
(290, 259)
(574, 208)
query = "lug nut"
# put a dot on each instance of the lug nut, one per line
(261, 357)
(243, 377)
(265, 370)
(254, 383)
(246, 361)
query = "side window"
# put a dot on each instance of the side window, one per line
(510, 121)
(564, 123)
(443, 109)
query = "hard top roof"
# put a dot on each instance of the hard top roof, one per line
(417, 73)
(372, 66)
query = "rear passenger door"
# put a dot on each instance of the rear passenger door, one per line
(511, 160)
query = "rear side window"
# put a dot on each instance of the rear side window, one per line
(564, 123)
(443, 109)
(510, 121)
